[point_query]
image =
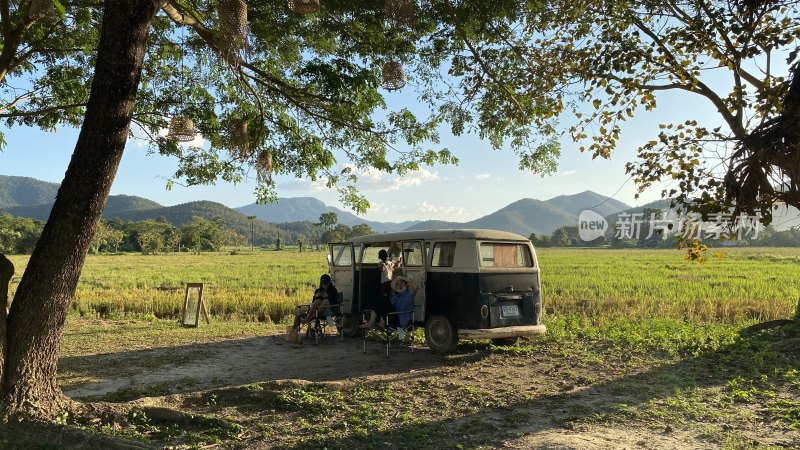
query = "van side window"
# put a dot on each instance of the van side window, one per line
(443, 254)
(412, 254)
(505, 255)
(370, 255)
(342, 256)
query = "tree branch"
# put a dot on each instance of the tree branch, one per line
(181, 16)
(644, 87)
(480, 60)
(734, 124)
(10, 44)
(43, 111)
(17, 100)
(6, 19)
(737, 60)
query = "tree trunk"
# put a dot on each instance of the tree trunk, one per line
(6, 272)
(39, 309)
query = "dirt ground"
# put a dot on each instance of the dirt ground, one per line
(533, 401)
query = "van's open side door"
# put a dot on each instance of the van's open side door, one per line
(414, 267)
(342, 267)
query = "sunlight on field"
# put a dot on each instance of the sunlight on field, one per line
(743, 285)
(746, 284)
(259, 286)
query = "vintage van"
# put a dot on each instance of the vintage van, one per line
(472, 284)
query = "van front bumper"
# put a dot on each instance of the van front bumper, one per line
(503, 332)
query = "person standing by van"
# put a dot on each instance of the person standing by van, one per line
(386, 268)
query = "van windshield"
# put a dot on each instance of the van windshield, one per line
(505, 255)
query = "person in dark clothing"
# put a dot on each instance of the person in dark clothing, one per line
(320, 306)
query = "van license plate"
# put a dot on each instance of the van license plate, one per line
(510, 310)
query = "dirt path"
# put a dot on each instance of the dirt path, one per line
(536, 410)
(244, 361)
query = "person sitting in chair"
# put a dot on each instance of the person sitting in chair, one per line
(402, 300)
(320, 306)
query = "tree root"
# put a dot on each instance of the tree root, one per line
(753, 329)
(30, 434)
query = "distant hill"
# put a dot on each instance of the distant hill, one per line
(434, 225)
(576, 203)
(529, 215)
(301, 209)
(526, 216)
(24, 191)
(122, 204)
(179, 215)
(27, 197)
(116, 206)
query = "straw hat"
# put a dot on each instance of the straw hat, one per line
(396, 280)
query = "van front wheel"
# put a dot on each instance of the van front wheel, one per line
(440, 334)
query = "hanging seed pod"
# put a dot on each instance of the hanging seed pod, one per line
(181, 129)
(400, 12)
(304, 6)
(43, 10)
(238, 138)
(393, 76)
(233, 27)
(264, 167)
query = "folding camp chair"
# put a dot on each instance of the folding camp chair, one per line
(389, 332)
(317, 326)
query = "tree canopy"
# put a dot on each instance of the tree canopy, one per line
(306, 92)
(595, 64)
(303, 98)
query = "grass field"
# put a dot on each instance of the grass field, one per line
(744, 285)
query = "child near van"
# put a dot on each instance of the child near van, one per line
(386, 268)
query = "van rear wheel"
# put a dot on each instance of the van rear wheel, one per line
(440, 334)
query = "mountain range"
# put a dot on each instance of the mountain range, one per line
(299, 209)
(28, 197)
(529, 215)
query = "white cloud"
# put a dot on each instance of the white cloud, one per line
(305, 185)
(376, 181)
(434, 212)
(568, 172)
(483, 176)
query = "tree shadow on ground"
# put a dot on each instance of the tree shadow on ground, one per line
(748, 363)
(125, 376)
(612, 397)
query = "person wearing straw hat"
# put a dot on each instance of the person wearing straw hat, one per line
(403, 298)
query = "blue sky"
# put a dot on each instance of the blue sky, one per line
(483, 182)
